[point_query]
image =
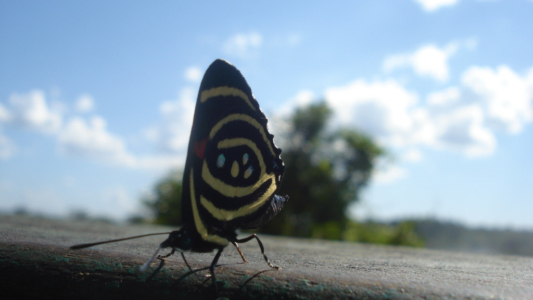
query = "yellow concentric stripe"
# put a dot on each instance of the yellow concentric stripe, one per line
(237, 192)
(225, 91)
(229, 190)
(200, 227)
(234, 191)
(228, 215)
(245, 118)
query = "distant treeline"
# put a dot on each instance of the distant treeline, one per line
(428, 233)
(453, 236)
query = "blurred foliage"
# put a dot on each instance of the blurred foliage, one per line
(457, 237)
(324, 174)
(165, 202)
(401, 234)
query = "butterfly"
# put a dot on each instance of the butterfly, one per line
(231, 174)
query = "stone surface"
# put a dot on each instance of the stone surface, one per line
(35, 261)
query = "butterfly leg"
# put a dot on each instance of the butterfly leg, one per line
(165, 256)
(192, 271)
(212, 270)
(254, 236)
(161, 264)
(240, 252)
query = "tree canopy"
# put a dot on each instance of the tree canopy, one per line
(324, 173)
(165, 202)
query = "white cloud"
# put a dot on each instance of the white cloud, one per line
(428, 60)
(302, 98)
(392, 115)
(279, 124)
(193, 74)
(463, 130)
(81, 137)
(459, 118)
(31, 111)
(412, 155)
(489, 99)
(446, 97)
(85, 103)
(7, 148)
(433, 5)
(383, 109)
(243, 44)
(506, 96)
(91, 139)
(389, 174)
(5, 116)
(172, 134)
(78, 137)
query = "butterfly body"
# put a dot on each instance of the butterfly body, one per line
(233, 167)
(231, 172)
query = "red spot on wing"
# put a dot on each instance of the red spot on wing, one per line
(199, 148)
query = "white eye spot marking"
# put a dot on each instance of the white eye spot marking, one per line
(245, 158)
(221, 160)
(248, 172)
(235, 169)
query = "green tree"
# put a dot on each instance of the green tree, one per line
(324, 174)
(165, 202)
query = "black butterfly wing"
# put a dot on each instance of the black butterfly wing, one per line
(233, 167)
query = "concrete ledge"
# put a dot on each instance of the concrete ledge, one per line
(36, 262)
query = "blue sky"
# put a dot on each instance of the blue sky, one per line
(96, 97)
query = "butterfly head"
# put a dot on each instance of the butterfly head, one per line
(179, 240)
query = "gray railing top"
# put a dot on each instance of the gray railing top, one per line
(36, 261)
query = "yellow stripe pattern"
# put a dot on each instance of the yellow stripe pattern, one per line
(200, 227)
(229, 190)
(236, 193)
(245, 118)
(225, 91)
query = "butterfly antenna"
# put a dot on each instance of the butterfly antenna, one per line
(81, 246)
